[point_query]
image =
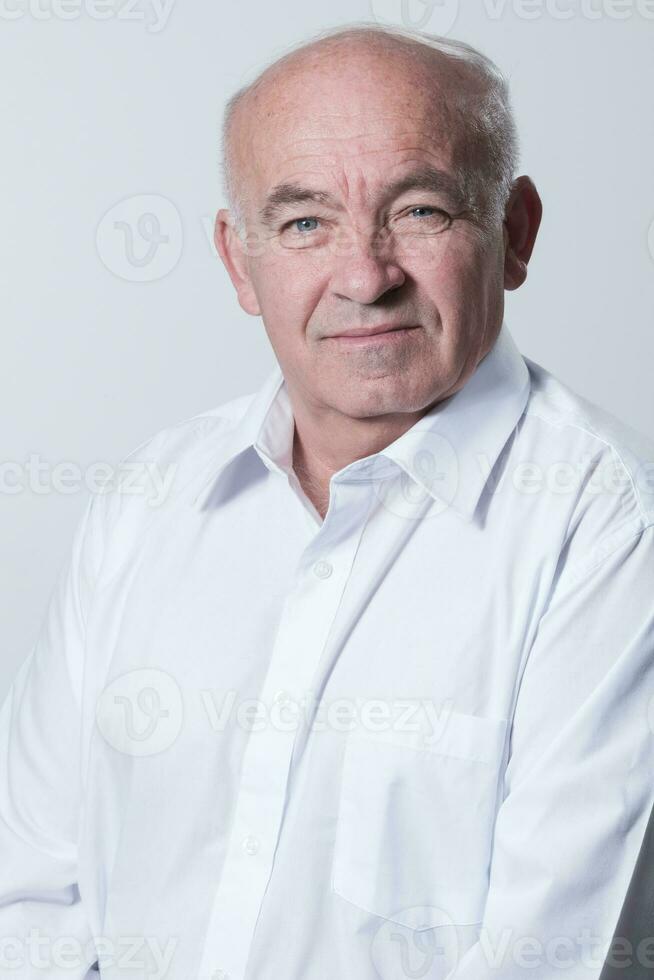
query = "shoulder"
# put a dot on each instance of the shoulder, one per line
(607, 464)
(159, 473)
(187, 444)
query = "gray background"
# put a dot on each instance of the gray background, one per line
(101, 111)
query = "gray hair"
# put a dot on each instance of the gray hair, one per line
(486, 117)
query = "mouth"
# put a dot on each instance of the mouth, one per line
(374, 335)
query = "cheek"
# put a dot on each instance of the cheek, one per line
(288, 290)
(446, 285)
(459, 277)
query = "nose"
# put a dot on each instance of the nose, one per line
(366, 270)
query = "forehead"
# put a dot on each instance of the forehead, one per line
(357, 122)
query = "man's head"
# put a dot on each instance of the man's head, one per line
(370, 181)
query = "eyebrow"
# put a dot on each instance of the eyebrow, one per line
(287, 195)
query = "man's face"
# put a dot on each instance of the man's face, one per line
(367, 252)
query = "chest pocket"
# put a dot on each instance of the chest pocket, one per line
(415, 821)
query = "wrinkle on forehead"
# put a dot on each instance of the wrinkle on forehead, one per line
(282, 142)
(358, 97)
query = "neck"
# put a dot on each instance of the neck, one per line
(321, 449)
(325, 440)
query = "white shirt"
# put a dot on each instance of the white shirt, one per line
(412, 740)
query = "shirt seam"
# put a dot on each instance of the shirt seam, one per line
(589, 431)
(584, 566)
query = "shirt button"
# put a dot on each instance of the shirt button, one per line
(323, 569)
(250, 844)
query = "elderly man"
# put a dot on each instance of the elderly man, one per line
(368, 694)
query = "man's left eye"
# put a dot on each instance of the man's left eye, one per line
(423, 219)
(432, 211)
(301, 224)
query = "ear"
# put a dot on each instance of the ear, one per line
(232, 251)
(521, 222)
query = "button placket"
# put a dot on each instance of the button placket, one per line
(305, 623)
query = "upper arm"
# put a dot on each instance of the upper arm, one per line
(40, 778)
(578, 789)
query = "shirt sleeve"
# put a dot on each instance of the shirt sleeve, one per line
(43, 927)
(578, 787)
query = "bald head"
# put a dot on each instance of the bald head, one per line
(434, 82)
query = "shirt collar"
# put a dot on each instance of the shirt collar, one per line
(449, 452)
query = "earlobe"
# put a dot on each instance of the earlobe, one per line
(234, 257)
(521, 223)
(515, 272)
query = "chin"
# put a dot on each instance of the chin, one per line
(380, 402)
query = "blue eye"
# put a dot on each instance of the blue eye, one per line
(434, 219)
(305, 221)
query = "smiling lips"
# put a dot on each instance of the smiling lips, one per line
(384, 331)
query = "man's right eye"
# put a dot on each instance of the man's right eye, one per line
(300, 224)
